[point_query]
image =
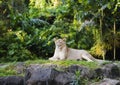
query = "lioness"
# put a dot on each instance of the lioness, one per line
(62, 52)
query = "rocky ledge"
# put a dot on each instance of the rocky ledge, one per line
(37, 74)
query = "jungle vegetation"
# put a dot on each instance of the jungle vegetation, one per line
(27, 27)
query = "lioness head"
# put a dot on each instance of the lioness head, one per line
(60, 42)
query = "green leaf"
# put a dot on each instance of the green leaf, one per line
(11, 52)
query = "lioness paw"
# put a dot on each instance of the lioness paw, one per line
(53, 59)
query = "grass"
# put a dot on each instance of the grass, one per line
(4, 72)
(8, 69)
(64, 63)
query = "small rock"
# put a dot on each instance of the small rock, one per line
(107, 81)
(20, 67)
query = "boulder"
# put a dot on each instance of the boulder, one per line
(47, 76)
(64, 78)
(98, 73)
(12, 80)
(84, 71)
(2, 80)
(111, 71)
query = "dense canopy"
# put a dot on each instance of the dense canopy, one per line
(27, 27)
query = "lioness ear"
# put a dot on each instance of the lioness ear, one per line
(54, 39)
(64, 39)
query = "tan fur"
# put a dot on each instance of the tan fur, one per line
(62, 52)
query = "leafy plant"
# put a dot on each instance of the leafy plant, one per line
(77, 79)
(13, 47)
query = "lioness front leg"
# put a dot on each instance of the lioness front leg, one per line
(62, 56)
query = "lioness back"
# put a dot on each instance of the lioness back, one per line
(74, 54)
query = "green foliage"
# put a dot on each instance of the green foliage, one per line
(13, 42)
(27, 29)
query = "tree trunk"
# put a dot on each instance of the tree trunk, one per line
(114, 46)
(101, 32)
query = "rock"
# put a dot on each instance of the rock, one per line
(12, 80)
(64, 78)
(111, 71)
(41, 76)
(20, 67)
(108, 71)
(107, 81)
(98, 73)
(84, 72)
(2, 81)
(47, 76)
